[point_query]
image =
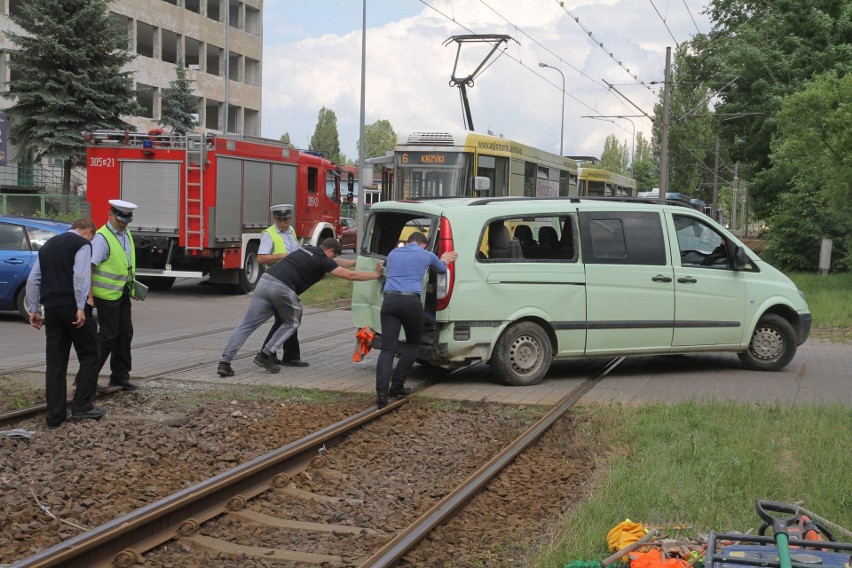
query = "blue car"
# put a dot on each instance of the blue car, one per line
(20, 239)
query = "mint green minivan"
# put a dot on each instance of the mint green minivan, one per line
(557, 278)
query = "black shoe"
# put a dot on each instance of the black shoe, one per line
(296, 363)
(381, 402)
(126, 385)
(224, 369)
(99, 389)
(94, 414)
(267, 362)
(55, 426)
(401, 391)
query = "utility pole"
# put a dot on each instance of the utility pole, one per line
(715, 183)
(734, 199)
(743, 216)
(664, 142)
(362, 171)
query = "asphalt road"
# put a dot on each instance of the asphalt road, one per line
(187, 327)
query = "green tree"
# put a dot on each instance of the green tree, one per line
(615, 156)
(326, 138)
(813, 150)
(67, 78)
(759, 52)
(645, 167)
(379, 138)
(286, 139)
(180, 106)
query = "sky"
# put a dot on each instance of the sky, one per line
(312, 59)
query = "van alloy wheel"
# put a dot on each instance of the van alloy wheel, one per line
(772, 346)
(522, 355)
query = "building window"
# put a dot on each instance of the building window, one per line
(211, 114)
(145, 39)
(251, 122)
(234, 67)
(253, 20)
(234, 14)
(192, 53)
(214, 54)
(234, 118)
(252, 71)
(193, 6)
(171, 46)
(145, 96)
(214, 11)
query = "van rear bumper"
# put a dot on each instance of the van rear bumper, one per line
(805, 322)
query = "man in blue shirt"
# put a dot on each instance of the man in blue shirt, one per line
(402, 307)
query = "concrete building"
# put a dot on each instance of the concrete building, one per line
(219, 41)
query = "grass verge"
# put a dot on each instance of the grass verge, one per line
(830, 300)
(328, 292)
(694, 467)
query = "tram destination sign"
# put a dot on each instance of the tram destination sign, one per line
(429, 158)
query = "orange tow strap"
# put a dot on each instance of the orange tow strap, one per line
(364, 337)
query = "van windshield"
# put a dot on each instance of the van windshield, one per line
(387, 230)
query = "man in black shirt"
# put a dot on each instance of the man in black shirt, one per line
(278, 292)
(60, 280)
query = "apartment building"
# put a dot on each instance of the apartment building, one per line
(219, 41)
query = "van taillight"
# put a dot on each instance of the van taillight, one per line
(445, 281)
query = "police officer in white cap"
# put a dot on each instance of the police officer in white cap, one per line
(113, 278)
(276, 242)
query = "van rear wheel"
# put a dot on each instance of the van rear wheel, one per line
(772, 345)
(522, 354)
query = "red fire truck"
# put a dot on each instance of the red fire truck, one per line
(204, 200)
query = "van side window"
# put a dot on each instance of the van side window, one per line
(532, 238)
(699, 244)
(622, 237)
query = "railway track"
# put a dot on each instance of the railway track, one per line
(203, 519)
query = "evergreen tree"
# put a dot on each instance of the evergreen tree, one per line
(326, 138)
(180, 106)
(67, 78)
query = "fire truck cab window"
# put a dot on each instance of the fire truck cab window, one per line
(312, 180)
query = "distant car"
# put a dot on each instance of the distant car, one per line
(20, 239)
(348, 233)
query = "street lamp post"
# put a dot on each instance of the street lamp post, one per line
(562, 123)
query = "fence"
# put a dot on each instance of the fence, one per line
(44, 205)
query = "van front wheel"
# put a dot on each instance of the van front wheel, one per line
(522, 354)
(772, 345)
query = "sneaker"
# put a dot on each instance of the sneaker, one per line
(267, 362)
(381, 402)
(94, 414)
(100, 389)
(224, 369)
(399, 391)
(126, 385)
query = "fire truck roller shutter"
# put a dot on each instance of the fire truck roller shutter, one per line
(229, 186)
(256, 187)
(284, 188)
(155, 187)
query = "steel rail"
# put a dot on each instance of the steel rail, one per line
(398, 546)
(121, 542)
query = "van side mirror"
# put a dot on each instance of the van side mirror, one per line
(741, 260)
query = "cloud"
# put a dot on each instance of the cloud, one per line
(408, 69)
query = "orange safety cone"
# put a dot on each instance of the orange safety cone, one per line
(364, 338)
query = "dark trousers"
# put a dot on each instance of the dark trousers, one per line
(290, 350)
(398, 312)
(60, 335)
(115, 333)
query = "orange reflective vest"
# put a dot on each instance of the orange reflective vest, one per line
(364, 338)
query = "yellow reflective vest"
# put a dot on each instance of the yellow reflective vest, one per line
(110, 277)
(278, 245)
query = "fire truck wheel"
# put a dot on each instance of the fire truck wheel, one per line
(251, 271)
